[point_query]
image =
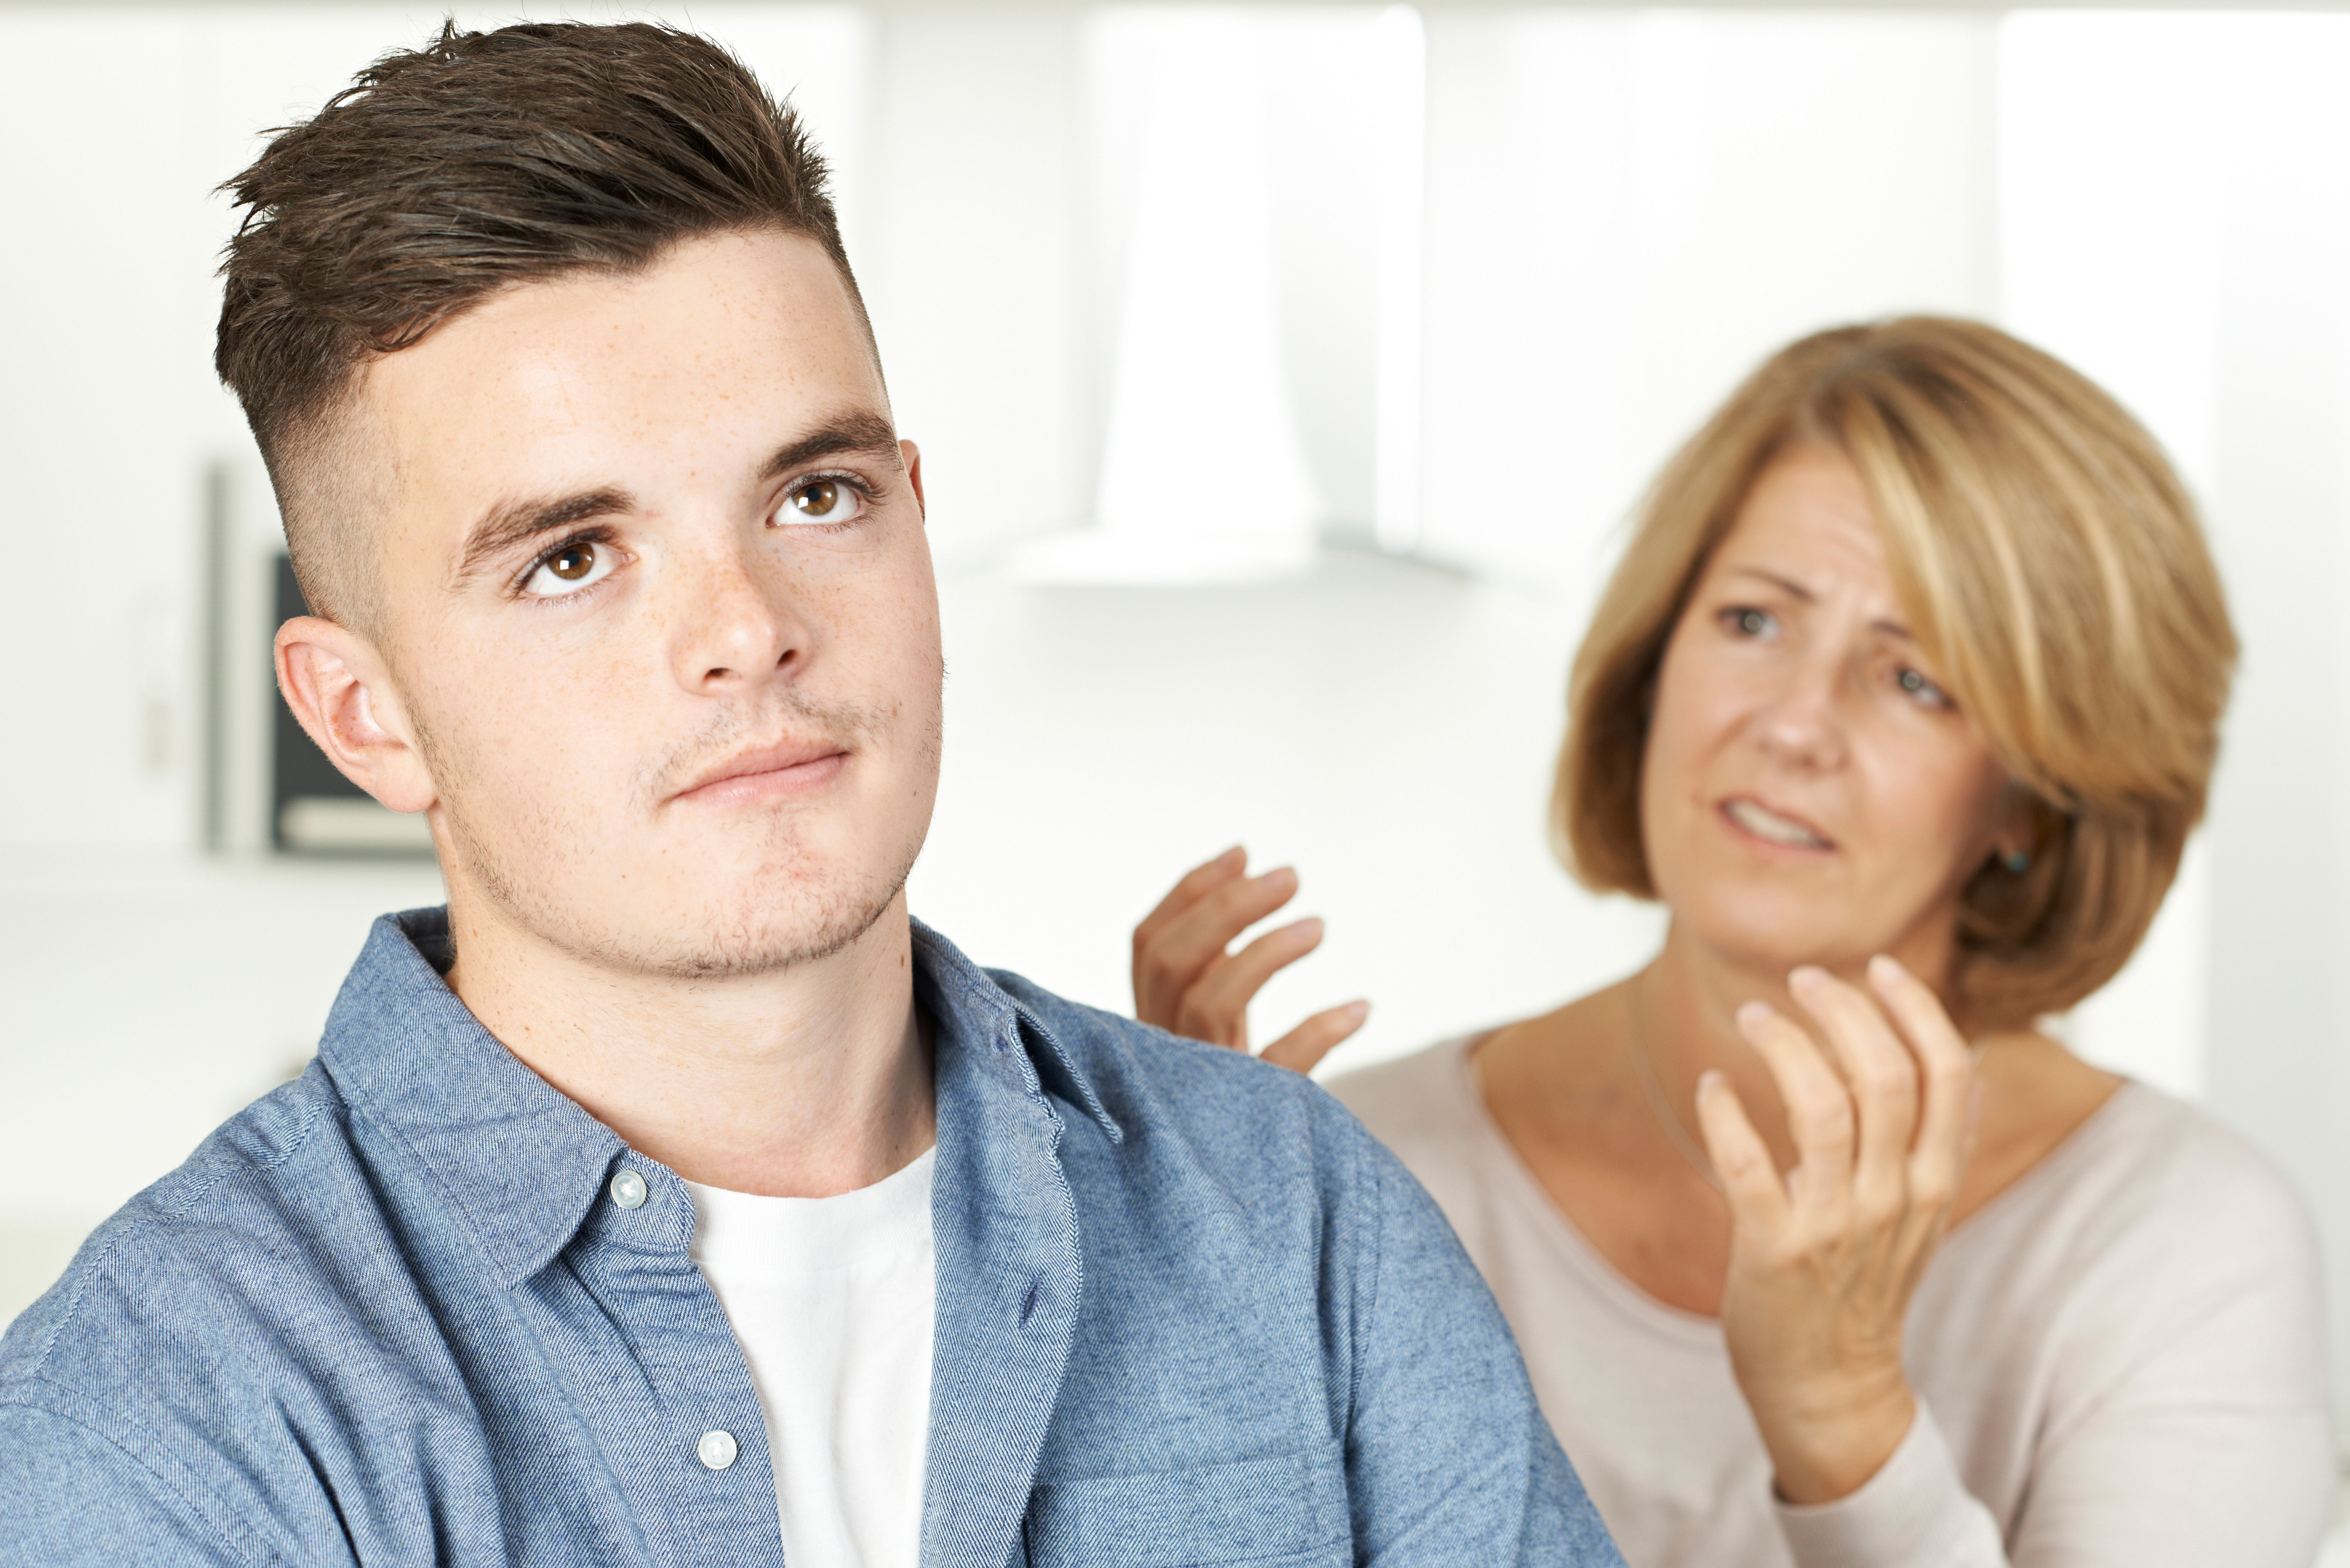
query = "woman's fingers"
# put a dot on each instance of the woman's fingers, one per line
(1158, 987)
(1740, 1159)
(1946, 1079)
(1305, 1045)
(1188, 980)
(1216, 1006)
(1198, 936)
(1197, 883)
(1170, 959)
(1819, 1110)
(1882, 1080)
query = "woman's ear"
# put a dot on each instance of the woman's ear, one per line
(341, 692)
(2018, 830)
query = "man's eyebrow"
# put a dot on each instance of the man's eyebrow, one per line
(509, 522)
(866, 433)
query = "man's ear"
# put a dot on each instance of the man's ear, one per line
(339, 689)
(912, 455)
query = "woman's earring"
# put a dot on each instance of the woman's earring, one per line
(2017, 861)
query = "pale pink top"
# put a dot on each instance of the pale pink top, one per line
(2120, 1358)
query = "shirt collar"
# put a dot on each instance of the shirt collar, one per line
(522, 1162)
(974, 1013)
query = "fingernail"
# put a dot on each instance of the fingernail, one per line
(1278, 873)
(1804, 976)
(1751, 1013)
(1709, 1080)
(1308, 929)
(1237, 852)
(1885, 967)
(1357, 1010)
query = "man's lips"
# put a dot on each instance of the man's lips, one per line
(1773, 825)
(785, 767)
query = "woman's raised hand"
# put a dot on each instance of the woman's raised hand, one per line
(1824, 1261)
(1187, 980)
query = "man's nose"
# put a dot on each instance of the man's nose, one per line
(734, 622)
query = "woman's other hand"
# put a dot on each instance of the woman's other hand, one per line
(1824, 1261)
(1187, 980)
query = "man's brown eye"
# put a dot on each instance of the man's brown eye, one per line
(572, 562)
(818, 500)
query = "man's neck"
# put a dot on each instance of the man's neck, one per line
(804, 1082)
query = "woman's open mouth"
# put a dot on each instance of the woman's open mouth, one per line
(1771, 826)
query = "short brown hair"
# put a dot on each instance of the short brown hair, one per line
(2053, 570)
(444, 175)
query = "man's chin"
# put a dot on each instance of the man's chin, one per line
(771, 922)
(769, 929)
(779, 900)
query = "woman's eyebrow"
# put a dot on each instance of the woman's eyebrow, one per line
(1786, 585)
(1796, 590)
(509, 522)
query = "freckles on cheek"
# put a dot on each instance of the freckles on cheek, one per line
(525, 719)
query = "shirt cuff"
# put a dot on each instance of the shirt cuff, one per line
(1914, 1512)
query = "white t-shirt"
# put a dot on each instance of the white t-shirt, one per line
(2121, 1358)
(833, 1301)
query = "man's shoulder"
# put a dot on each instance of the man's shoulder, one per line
(175, 1269)
(1256, 1261)
(1183, 1141)
(207, 1339)
(1162, 1083)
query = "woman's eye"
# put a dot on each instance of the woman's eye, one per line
(1918, 688)
(1749, 622)
(822, 501)
(571, 569)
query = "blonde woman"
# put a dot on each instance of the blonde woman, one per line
(1903, 702)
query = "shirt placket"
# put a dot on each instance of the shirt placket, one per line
(661, 1378)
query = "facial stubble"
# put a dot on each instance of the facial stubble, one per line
(799, 908)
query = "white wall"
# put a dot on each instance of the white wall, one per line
(1627, 209)
(2176, 220)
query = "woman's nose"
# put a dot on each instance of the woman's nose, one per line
(1803, 722)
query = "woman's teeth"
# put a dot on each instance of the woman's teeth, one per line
(1769, 824)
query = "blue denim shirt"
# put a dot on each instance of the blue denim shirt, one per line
(396, 1313)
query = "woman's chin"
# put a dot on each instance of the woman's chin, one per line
(1774, 935)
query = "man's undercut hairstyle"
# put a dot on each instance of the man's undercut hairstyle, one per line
(445, 174)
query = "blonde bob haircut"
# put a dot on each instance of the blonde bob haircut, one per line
(2054, 576)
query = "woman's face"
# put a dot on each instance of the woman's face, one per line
(1810, 794)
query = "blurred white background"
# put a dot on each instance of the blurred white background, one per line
(1284, 375)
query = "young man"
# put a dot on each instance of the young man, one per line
(672, 1184)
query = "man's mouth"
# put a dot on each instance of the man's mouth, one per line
(781, 766)
(1773, 827)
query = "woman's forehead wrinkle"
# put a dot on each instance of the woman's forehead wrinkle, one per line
(1815, 535)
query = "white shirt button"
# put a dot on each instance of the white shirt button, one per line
(716, 1450)
(629, 1193)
